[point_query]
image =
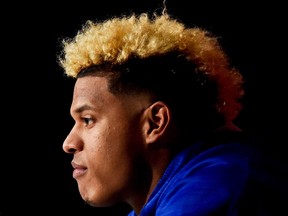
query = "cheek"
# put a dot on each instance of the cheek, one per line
(111, 162)
(107, 146)
(116, 148)
(114, 141)
(112, 153)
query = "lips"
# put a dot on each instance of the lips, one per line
(78, 170)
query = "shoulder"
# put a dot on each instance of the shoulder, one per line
(229, 177)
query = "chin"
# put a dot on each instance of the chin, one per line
(98, 201)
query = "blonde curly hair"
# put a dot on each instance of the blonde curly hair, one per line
(116, 40)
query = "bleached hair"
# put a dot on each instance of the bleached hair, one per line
(116, 40)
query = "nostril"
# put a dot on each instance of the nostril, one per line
(71, 150)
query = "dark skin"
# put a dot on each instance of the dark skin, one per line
(121, 143)
(118, 143)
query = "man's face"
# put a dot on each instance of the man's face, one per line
(106, 141)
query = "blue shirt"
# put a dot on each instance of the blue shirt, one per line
(228, 180)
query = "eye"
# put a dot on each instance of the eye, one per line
(87, 121)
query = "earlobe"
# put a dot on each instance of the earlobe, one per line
(157, 118)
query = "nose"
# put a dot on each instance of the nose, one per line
(72, 143)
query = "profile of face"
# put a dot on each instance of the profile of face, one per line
(106, 141)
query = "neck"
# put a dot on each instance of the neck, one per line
(157, 161)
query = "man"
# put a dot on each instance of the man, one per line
(154, 105)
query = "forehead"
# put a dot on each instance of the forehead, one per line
(91, 89)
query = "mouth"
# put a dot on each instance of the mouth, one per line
(79, 170)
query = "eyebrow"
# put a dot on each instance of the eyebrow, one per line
(82, 108)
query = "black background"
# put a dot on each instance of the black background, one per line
(35, 174)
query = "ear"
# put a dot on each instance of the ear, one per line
(157, 118)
